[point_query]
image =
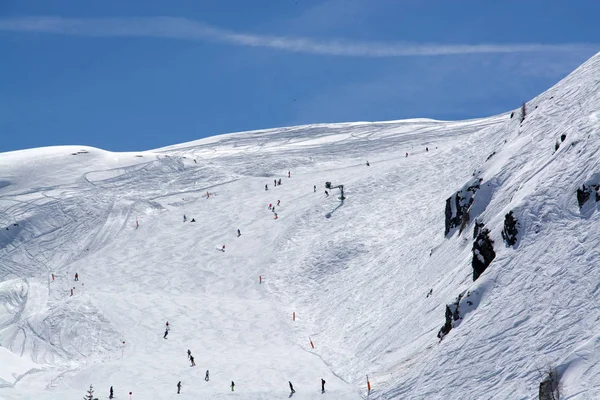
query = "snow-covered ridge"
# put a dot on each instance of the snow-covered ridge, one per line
(369, 279)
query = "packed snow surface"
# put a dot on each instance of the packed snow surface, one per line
(367, 279)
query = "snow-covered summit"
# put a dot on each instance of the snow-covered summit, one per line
(372, 282)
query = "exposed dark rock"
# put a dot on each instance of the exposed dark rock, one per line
(490, 156)
(550, 385)
(457, 206)
(477, 228)
(510, 231)
(523, 112)
(447, 325)
(583, 195)
(452, 314)
(483, 253)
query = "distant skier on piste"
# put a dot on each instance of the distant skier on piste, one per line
(184, 218)
(232, 386)
(314, 188)
(322, 385)
(239, 233)
(291, 388)
(289, 174)
(279, 182)
(274, 182)
(110, 393)
(192, 361)
(166, 333)
(179, 387)
(207, 376)
(76, 276)
(189, 354)
(266, 187)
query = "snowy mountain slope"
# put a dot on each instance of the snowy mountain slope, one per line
(357, 274)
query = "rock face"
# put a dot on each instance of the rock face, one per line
(452, 314)
(483, 253)
(510, 231)
(584, 193)
(477, 229)
(457, 206)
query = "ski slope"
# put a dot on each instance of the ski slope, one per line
(356, 273)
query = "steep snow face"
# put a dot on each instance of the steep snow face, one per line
(329, 289)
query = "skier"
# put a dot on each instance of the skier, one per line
(276, 216)
(368, 163)
(76, 276)
(184, 218)
(207, 195)
(189, 354)
(166, 333)
(314, 188)
(192, 361)
(406, 154)
(266, 187)
(239, 233)
(270, 206)
(193, 220)
(223, 249)
(289, 174)
(137, 224)
(279, 182)
(326, 193)
(426, 148)
(206, 377)
(178, 387)
(278, 201)
(322, 385)
(111, 395)
(291, 388)
(232, 386)
(274, 182)
(167, 325)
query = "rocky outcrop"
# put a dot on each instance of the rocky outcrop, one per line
(452, 315)
(584, 193)
(457, 206)
(511, 229)
(483, 253)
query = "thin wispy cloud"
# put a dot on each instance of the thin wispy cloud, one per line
(187, 29)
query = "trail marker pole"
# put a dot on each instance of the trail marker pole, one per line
(368, 385)
(294, 316)
(260, 279)
(311, 342)
(52, 277)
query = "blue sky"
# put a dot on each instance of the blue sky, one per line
(141, 74)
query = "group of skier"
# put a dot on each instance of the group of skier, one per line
(189, 353)
(206, 378)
